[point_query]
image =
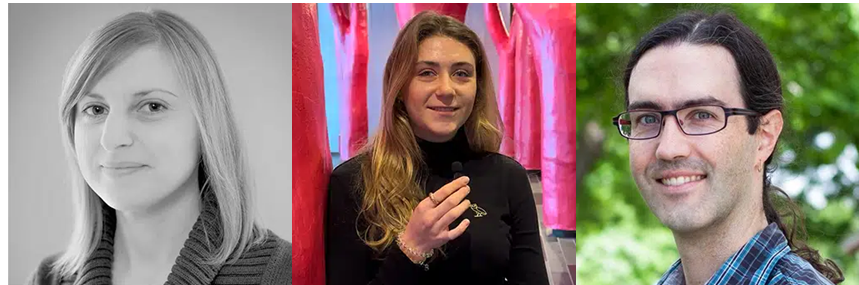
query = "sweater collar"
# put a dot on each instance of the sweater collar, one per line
(190, 266)
(439, 157)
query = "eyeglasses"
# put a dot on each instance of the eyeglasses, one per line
(693, 121)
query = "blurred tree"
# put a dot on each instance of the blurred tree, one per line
(816, 47)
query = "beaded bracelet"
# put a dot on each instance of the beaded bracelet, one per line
(426, 256)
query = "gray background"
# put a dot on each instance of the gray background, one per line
(251, 42)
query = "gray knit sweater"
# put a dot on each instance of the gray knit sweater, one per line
(267, 263)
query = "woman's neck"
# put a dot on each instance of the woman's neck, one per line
(439, 156)
(147, 242)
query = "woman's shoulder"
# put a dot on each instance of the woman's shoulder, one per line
(273, 257)
(346, 177)
(271, 245)
(44, 274)
(350, 167)
(505, 163)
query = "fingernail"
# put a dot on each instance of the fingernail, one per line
(467, 221)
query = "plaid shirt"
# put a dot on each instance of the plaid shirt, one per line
(765, 259)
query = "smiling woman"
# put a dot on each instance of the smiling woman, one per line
(399, 212)
(161, 192)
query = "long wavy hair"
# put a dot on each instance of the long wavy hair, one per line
(390, 161)
(222, 168)
(760, 87)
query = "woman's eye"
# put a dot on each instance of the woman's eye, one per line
(95, 111)
(154, 107)
(426, 73)
(462, 73)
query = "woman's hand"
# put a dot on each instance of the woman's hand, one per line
(428, 227)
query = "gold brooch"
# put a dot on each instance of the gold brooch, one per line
(478, 211)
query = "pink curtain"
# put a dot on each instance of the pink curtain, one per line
(518, 89)
(528, 116)
(350, 34)
(505, 45)
(406, 11)
(310, 154)
(552, 30)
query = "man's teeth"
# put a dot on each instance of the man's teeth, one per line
(680, 180)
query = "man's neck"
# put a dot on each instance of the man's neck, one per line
(702, 252)
(148, 242)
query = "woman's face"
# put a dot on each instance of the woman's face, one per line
(441, 94)
(136, 138)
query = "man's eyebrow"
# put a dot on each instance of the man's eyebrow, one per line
(709, 100)
(650, 105)
(644, 105)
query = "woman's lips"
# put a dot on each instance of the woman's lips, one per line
(122, 169)
(444, 109)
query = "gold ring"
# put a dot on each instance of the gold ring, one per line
(432, 198)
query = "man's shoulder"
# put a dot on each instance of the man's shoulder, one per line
(792, 269)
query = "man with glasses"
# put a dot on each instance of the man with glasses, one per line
(704, 115)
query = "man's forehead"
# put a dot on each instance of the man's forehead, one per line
(673, 103)
(670, 76)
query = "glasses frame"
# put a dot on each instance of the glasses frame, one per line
(728, 112)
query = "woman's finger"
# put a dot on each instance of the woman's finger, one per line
(450, 188)
(426, 203)
(444, 222)
(451, 202)
(455, 233)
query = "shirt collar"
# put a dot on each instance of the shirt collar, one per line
(754, 261)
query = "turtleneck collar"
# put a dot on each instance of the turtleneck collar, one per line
(440, 156)
(203, 241)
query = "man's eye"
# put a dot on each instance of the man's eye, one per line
(647, 119)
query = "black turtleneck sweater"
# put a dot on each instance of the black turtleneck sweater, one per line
(502, 247)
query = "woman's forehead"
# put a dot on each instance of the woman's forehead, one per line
(148, 68)
(444, 50)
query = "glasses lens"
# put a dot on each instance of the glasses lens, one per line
(640, 124)
(701, 120)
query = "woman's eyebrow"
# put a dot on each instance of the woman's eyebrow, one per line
(140, 93)
(455, 64)
(147, 91)
(463, 64)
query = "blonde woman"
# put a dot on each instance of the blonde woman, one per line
(397, 214)
(161, 193)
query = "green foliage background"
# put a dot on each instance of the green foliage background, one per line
(816, 47)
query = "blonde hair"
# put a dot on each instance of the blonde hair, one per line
(390, 161)
(222, 166)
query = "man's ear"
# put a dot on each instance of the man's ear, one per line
(768, 133)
